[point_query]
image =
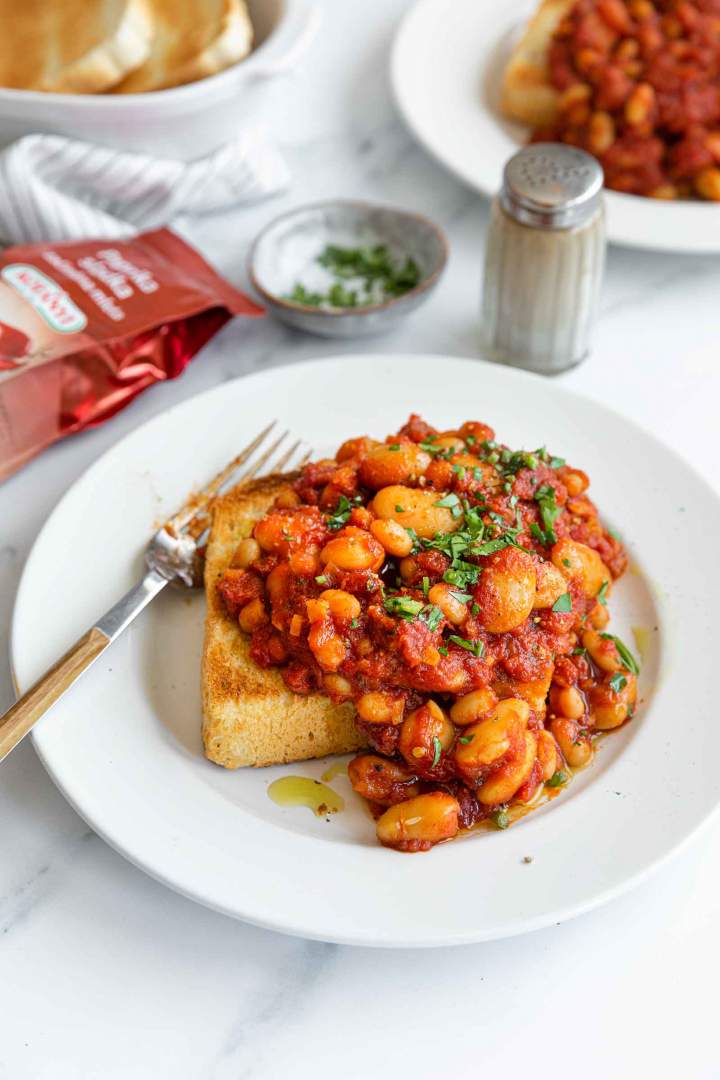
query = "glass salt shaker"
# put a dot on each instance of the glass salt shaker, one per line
(544, 259)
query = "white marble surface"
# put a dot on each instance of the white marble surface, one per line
(104, 973)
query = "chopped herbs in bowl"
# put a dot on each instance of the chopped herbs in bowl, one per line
(362, 276)
(346, 268)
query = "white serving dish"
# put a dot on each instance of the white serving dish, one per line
(455, 115)
(124, 744)
(186, 121)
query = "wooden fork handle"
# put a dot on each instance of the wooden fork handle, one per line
(18, 720)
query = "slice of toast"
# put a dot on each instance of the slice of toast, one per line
(72, 46)
(527, 93)
(250, 716)
(193, 39)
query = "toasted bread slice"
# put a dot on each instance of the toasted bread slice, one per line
(527, 93)
(193, 39)
(72, 46)
(250, 717)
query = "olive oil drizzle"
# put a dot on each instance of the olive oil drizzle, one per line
(304, 791)
(338, 768)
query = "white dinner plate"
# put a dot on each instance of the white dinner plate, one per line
(447, 63)
(124, 745)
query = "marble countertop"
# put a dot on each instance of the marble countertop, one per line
(106, 974)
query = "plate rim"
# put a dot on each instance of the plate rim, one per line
(701, 243)
(300, 928)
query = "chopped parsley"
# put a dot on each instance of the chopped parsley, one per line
(563, 603)
(403, 606)
(549, 511)
(363, 276)
(477, 648)
(557, 779)
(407, 608)
(618, 682)
(428, 445)
(426, 585)
(512, 461)
(432, 616)
(624, 653)
(437, 746)
(342, 512)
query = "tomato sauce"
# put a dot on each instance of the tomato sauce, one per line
(639, 84)
(456, 591)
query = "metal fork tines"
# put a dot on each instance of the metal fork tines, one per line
(173, 556)
(256, 458)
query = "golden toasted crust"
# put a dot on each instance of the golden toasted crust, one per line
(527, 94)
(72, 46)
(250, 717)
(193, 39)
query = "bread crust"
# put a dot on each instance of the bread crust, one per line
(193, 39)
(527, 93)
(72, 46)
(250, 716)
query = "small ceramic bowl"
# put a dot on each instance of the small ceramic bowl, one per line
(285, 254)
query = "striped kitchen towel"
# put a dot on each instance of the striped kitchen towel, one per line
(53, 188)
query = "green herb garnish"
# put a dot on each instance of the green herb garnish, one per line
(501, 819)
(549, 511)
(363, 276)
(602, 594)
(432, 616)
(438, 750)
(618, 682)
(449, 500)
(477, 648)
(403, 606)
(624, 653)
(342, 512)
(557, 779)
(563, 603)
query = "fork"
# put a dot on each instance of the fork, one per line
(173, 556)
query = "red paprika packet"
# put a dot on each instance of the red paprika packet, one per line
(86, 326)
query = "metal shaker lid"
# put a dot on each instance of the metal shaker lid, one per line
(551, 186)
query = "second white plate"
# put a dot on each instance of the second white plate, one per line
(447, 63)
(124, 745)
